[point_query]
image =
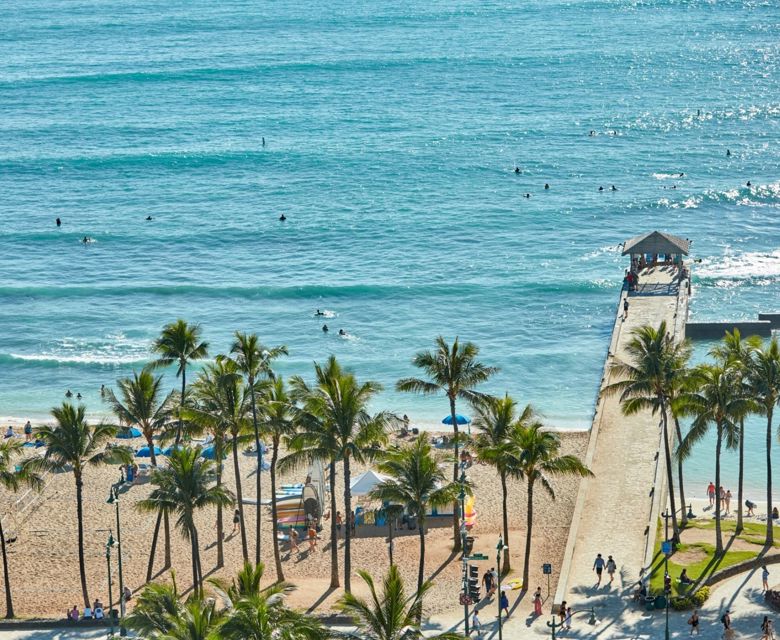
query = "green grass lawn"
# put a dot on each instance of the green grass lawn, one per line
(707, 564)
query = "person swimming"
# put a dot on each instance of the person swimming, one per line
(728, 153)
(68, 394)
(592, 133)
(682, 175)
(601, 188)
(282, 218)
(546, 186)
(748, 184)
(342, 332)
(86, 240)
(263, 141)
(324, 328)
(59, 223)
(319, 313)
(527, 195)
(148, 218)
(614, 188)
(517, 169)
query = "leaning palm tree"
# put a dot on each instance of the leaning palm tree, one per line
(141, 403)
(15, 473)
(254, 360)
(538, 459)
(73, 444)
(221, 407)
(716, 401)
(278, 421)
(648, 381)
(494, 419)
(764, 380)
(340, 402)
(184, 487)
(392, 614)
(180, 344)
(454, 371)
(416, 482)
(156, 608)
(737, 353)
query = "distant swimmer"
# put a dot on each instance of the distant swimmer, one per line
(614, 188)
(68, 394)
(342, 332)
(601, 188)
(59, 223)
(698, 113)
(78, 396)
(263, 141)
(682, 175)
(319, 313)
(592, 133)
(546, 186)
(86, 240)
(748, 184)
(282, 218)
(148, 218)
(324, 328)
(527, 195)
(517, 169)
(728, 155)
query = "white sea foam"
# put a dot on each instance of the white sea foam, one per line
(741, 266)
(112, 349)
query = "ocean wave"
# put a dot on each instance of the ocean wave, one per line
(751, 196)
(111, 349)
(755, 268)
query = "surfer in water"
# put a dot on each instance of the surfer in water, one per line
(59, 223)
(282, 218)
(319, 313)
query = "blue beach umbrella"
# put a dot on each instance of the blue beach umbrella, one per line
(210, 453)
(169, 450)
(127, 434)
(461, 419)
(144, 452)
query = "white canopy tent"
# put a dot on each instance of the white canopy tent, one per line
(365, 482)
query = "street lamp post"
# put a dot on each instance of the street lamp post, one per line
(113, 498)
(109, 544)
(462, 497)
(500, 547)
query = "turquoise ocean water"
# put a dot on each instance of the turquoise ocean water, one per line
(391, 133)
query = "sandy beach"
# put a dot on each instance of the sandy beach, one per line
(44, 566)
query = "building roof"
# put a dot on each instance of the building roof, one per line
(657, 242)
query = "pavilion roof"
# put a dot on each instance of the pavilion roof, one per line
(657, 242)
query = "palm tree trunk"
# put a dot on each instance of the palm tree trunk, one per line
(239, 497)
(150, 566)
(194, 548)
(348, 530)
(259, 491)
(390, 538)
(669, 476)
(505, 516)
(770, 537)
(455, 476)
(150, 444)
(718, 534)
(9, 605)
(80, 518)
(220, 522)
(741, 475)
(421, 568)
(274, 516)
(198, 562)
(684, 513)
(180, 428)
(167, 540)
(334, 550)
(529, 523)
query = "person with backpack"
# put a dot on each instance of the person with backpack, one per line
(725, 620)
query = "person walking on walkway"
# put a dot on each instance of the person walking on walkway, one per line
(725, 620)
(598, 567)
(562, 612)
(476, 625)
(538, 602)
(711, 494)
(764, 577)
(694, 622)
(727, 497)
(611, 568)
(766, 629)
(504, 604)
(625, 308)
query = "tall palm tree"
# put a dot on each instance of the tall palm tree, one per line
(180, 344)
(538, 459)
(416, 482)
(254, 361)
(495, 418)
(72, 443)
(221, 407)
(184, 487)
(339, 401)
(737, 353)
(15, 473)
(717, 401)
(764, 380)
(392, 614)
(454, 371)
(141, 403)
(278, 415)
(650, 380)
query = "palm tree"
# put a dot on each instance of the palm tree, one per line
(221, 407)
(74, 444)
(13, 476)
(198, 619)
(338, 401)
(179, 343)
(537, 460)
(279, 423)
(495, 419)
(717, 401)
(764, 380)
(156, 608)
(455, 372)
(140, 403)
(391, 615)
(649, 381)
(738, 353)
(254, 360)
(416, 482)
(184, 487)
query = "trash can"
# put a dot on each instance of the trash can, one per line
(660, 602)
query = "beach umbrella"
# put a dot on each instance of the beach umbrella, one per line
(127, 434)
(210, 453)
(169, 450)
(461, 419)
(144, 452)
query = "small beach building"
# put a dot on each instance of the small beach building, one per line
(656, 247)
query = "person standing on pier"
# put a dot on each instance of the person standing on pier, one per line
(625, 308)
